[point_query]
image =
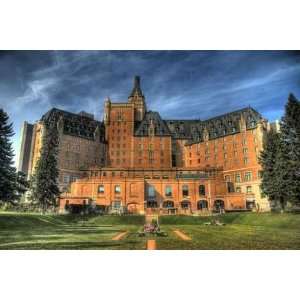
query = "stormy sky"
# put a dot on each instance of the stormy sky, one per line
(178, 84)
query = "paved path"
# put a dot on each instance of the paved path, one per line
(182, 235)
(119, 236)
(151, 244)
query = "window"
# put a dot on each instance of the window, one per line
(185, 190)
(248, 176)
(151, 191)
(245, 160)
(119, 116)
(238, 178)
(116, 204)
(66, 178)
(202, 190)
(238, 189)
(202, 204)
(259, 174)
(227, 178)
(168, 191)
(230, 187)
(245, 150)
(117, 189)
(101, 189)
(249, 189)
(185, 204)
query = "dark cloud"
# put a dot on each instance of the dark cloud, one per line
(178, 84)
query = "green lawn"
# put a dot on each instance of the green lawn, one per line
(33, 231)
(242, 231)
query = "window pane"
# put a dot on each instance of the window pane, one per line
(117, 189)
(101, 189)
(168, 191)
(201, 190)
(151, 191)
(185, 190)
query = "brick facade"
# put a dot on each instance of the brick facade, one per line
(134, 140)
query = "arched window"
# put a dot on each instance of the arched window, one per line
(185, 204)
(219, 204)
(202, 190)
(202, 204)
(185, 190)
(168, 204)
(168, 191)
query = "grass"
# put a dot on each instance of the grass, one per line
(242, 231)
(33, 231)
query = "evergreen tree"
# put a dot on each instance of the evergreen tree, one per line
(7, 170)
(45, 181)
(268, 160)
(21, 185)
(280, 158)
(290, 147)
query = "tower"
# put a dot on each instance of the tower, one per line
(137, 98)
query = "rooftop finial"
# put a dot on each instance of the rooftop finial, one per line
(136, 87)
(136, 81)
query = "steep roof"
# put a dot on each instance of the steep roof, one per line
(75, 124)
(219, 126)
(159, 125)
(136, 87)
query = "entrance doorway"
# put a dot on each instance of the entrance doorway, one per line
(219, 205)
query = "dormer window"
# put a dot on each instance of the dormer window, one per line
(151, 131)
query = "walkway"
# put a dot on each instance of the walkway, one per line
(182, 235)
(119, 236)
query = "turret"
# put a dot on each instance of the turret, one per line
(107, 106)
(137, 98)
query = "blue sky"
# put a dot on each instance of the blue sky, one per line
(178, 84)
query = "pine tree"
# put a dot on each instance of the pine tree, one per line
(21, 185)
(7, 170)
(290, 147)
(45, 183)
(268, 160)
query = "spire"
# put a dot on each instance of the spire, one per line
(136, 87)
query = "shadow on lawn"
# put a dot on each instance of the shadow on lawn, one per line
(109, 245)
